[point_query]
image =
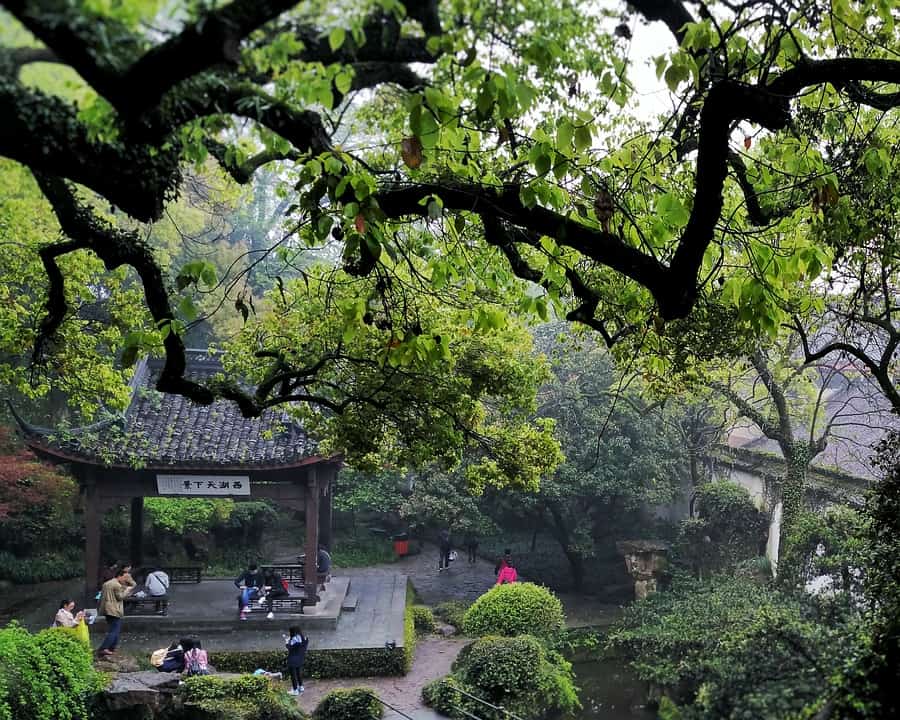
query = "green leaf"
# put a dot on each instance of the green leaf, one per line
(583, 138)
(188, 309)
(343, 81)
(336, 38)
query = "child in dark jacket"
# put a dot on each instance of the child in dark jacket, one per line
(296, 644)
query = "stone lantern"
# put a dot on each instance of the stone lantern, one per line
(646, 562)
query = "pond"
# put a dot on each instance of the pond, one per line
(610, 691)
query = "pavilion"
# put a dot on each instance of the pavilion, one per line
(165, 445)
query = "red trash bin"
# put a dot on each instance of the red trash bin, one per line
(401, 544)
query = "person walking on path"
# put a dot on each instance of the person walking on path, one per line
(296, 645)
(507, 575)
(444, 547)
(503, 561)
(112, 597)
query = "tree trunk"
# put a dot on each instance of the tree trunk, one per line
(576, 562)
(788, 501)
(576, 566)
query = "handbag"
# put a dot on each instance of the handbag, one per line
(157, 657)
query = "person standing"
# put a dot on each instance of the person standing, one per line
(112, 597)
(296, 645)
(444, 547)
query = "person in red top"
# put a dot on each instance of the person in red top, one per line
(507, 575)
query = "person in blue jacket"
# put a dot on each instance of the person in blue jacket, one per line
(296, 645)
(252, 580)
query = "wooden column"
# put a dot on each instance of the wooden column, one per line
(326, 484)
(137, 531)
(312, 534)
(92, 516)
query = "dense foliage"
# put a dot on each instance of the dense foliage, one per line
(735, 648)
(518, 673)
(244, 698)
(516, 609)
(47, 676)
(351, 704)
(727, 529)
(37, 520)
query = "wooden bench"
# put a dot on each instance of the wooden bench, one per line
(147, 605)
(321, 578)
(291, 573)
(286, 603)
(184, 573)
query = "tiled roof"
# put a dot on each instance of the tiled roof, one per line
(169, 431)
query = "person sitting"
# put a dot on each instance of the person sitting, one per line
(507, 575)
(64, 616)
(276, 586)
(157, 583)
(174, 659)
(196, 661)
(323, 561)
(251, 577)
(253, 582)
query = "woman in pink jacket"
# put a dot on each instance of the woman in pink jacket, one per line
(507, 574)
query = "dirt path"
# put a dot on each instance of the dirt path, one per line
(433, 658)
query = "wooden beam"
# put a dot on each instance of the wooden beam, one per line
(312, 533)
(137, 531)
(92, 516)
(326, 485)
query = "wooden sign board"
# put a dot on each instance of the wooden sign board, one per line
(203, 485)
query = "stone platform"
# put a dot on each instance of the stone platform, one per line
(212, 605)
(209, 611)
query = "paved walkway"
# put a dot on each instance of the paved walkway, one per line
(462, 581)
(433, 658)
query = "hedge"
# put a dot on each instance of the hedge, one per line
(244, 698)
(353, 704)
(423, 619)
(324, 664)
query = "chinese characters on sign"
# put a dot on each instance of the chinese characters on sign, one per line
(203, 484)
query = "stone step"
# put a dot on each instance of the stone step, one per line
(350, 603)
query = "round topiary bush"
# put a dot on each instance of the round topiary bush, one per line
(423, 619)
(353, 704)
(519, 674)
(516, 609)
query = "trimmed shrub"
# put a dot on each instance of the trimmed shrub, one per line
(516, 609)
(41, 568)
(451, 612)
(729, 529)
(246, 698)
(320, 664)
(48, 676)
(423, 619)
(353, 704)
(519, 674)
